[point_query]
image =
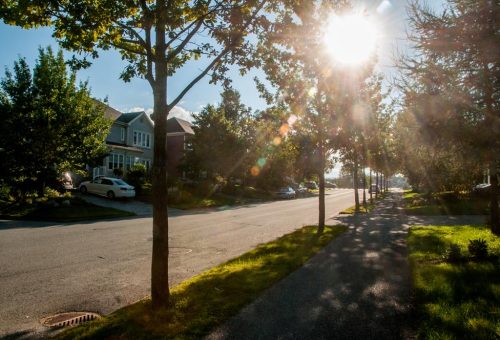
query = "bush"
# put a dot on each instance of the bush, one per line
(478, 249)
(118, 172)
(136, 176)
(453, 253)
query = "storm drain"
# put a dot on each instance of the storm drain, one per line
(68, 319)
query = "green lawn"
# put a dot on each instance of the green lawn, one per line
(57, 211)
(443, 203)
(207, 300)
(454, 300)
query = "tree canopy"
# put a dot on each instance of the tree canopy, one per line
(49, 123)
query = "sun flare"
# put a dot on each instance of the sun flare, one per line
(350, 39)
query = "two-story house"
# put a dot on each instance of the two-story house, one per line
(130, 141)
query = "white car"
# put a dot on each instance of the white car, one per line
(107, 186)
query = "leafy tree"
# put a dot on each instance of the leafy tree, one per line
(156, 38)
(316, 91)
(223, 139)
(452, 84)
(49, 124)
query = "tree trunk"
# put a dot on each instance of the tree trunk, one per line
(364, 187)
(494, 213)
(321, 175)
(356, 186)
(159, 264)
(371, 193)
(378, 186)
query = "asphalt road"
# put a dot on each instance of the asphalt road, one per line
(101, 266)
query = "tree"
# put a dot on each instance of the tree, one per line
(315, 88)
(223, 139)
(156, 38)
(454, 79)
(49, 124)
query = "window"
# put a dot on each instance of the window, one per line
(123, 134)
(142, 139)
(106, 181)
(115, 161)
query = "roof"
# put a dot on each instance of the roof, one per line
(128, 117)
(176, 124)
(124, 147)
(109, 112)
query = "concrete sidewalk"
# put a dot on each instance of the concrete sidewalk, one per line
(358, 287)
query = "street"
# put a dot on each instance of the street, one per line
(100, 266)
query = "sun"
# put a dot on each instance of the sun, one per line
(350, 39)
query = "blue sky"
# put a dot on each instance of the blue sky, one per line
(103, 75)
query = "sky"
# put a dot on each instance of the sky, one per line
(103, 75)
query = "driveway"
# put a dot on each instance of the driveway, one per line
(101, 266)
(130, 205)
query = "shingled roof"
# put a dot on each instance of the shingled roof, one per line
(129, 116)
(109, 112)
(179, 125)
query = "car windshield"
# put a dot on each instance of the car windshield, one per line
(119, 182)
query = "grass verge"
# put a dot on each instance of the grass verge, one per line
(60, 210)
(443, 203)
(207, 300)
(454, 300)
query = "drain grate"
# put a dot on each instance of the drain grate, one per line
(68, 319)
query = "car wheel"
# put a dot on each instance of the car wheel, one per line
(83, 189)
(110, 194)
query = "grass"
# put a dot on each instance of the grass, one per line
(207, 300)
(443, 203)
(195, 202)
(57, 211)
(454, 300)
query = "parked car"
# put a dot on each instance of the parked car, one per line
(330, 185)
(483, 189)
(285, 192)
(374, 189)
(300, 190)
(107, 186)
(311, 185)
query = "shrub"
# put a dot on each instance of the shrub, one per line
(453, 253)
(478, 249)
(136, 176)
(118, 172)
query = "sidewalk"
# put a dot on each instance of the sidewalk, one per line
(358, 287)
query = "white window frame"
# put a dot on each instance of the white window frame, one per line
(142, 139)
(122, 130)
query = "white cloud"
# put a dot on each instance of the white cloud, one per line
(177, 111)
(182, 113)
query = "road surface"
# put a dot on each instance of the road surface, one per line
(100, 266)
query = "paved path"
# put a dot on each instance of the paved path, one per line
(358, 287)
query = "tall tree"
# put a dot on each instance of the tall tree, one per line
(156, 38)
(455, 79)
(49, 124)
(315, 88)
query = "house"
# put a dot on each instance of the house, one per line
(130, 141)
(179, 131)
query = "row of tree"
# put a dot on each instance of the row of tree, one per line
(448, 127)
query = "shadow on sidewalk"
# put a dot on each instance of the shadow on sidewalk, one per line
(358, 287)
